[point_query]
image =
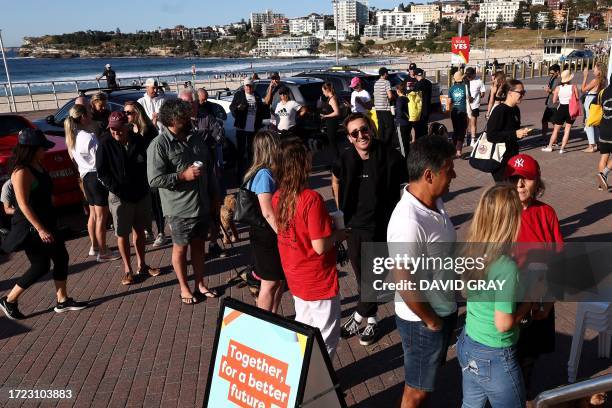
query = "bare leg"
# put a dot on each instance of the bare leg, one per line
(278, 296)
(566, 135)
(60, 291)
(198, 254)
(473, 129)
(553, 137)
(179, 263)
(603, 162)
(101, 216)
(124, 249)
(91, 227)
(544, 130)
(139, 246)
(412, 398)
(15, 293)
(267, 295)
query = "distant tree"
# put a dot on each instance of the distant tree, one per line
(533, 21)
(500, 20)
(551, 24)
(369, 43)
(519, 20)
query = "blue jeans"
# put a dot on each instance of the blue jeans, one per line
(591, 131)
(424, 350)
(490, 373)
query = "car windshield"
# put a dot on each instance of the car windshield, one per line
(397, 77)
(11, 125)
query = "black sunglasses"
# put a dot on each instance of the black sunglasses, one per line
(128, 112)
(364, 130)
(522, 93)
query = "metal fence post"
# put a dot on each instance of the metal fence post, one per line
(55, 94)
(532, 69)
(540, 68)
(448, 78)
(513, 70)
(8, 100)
(31, 99)
(437, 77)
(523, 70)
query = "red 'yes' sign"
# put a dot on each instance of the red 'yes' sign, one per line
(461, 47)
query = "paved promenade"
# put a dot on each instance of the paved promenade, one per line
(139, 346)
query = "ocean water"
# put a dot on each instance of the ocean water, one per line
(40, 72)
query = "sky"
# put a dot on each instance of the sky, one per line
(23, 18)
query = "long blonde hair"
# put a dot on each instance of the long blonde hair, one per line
(142, 121)
(292, 176)
(601, 78)
(495, 226)
(266, 146)
(72, 125)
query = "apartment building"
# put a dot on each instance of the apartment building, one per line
(310, 25)
(491, 11)
(351, 15)
(431, 12)
(287, 46)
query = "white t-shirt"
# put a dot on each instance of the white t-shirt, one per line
(151, 105)
(84, 152)
(250, 120)
(565, 94)
(7, 196)
(416, 225)
(286, 114)
(476, 88)
(364, 96)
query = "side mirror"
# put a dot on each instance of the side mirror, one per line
(50, 119)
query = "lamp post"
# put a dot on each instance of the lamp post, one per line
(566, 23)
(335, 3)
(8, 77)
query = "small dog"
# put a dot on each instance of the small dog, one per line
(229, 230)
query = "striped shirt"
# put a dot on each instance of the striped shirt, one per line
(381, 99)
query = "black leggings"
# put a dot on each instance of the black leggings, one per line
(40, 256)
(355, 238)
(158, 213)
(331, 127)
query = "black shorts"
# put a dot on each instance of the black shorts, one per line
(475, 112)
(548, 114)
(562, 116)
(604, 147)
(95, 192)
(265, 251)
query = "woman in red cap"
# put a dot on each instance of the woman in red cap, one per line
(539, 223)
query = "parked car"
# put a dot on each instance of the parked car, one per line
(66, 189)
(340, 78)
(306, 91)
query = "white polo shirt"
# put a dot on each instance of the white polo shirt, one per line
(413, 223)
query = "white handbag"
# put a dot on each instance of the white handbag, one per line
(487, 156)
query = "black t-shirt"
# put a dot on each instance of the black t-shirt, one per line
(365, 214)
(502, 126)
(605, 128)
(424, 86)
(111, 77)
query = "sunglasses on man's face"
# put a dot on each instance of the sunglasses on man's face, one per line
(364, 130)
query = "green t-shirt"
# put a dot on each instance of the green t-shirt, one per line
(480, 320)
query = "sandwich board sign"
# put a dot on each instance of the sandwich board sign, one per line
(262, 360)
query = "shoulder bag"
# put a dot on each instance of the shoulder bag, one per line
(595, 112)
(487, 156)
(248, 210)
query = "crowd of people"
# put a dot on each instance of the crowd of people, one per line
(160, 159)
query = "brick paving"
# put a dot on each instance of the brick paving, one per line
(139, 346)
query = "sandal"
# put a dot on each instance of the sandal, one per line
(189, 300)
(210, 293)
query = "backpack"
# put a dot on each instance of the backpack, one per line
(415, 106)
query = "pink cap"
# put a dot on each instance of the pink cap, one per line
(355, 81)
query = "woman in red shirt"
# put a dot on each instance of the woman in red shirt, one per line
(306, 243)
(539, 224)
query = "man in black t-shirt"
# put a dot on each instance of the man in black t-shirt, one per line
(424, 86)
(366, 182)
(109, 74)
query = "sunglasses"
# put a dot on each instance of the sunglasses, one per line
(364, 130)
(522, 93)
(128, 112)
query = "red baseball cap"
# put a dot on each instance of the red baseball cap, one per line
(117, 120)
(523, 165)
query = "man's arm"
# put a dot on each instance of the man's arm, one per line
(335, 190)
(156, 169)
(103, 169)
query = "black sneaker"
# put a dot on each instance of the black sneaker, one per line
(69, 304)
(10, 309)
(349, 328)
(215, 251)
(369, 335)
(602, 180)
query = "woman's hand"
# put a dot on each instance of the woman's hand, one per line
(585, 72)
(521, 133)
(45, 236)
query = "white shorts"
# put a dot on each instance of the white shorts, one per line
(324, 315)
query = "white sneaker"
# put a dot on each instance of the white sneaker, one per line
(547, 149)
(108, 256)
(93, 251)
(160, 240)
(561, 151)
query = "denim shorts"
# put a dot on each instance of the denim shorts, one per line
(183, 230)
(424, 350)
(490, 373)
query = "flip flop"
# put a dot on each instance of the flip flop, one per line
(210, 293)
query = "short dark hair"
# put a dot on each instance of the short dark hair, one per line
(358, 115)
(430, 152)
(275, 75)
(173, 109)
(283, 90)
(382, 71)
(470, 71)
(554, 67)
(23, 155)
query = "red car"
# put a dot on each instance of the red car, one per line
(65, 177)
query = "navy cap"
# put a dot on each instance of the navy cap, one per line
(412, 66)
(418, 71)
(34, 137)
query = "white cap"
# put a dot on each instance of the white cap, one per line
(247, 81)
(107, 65)
(150, 82)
